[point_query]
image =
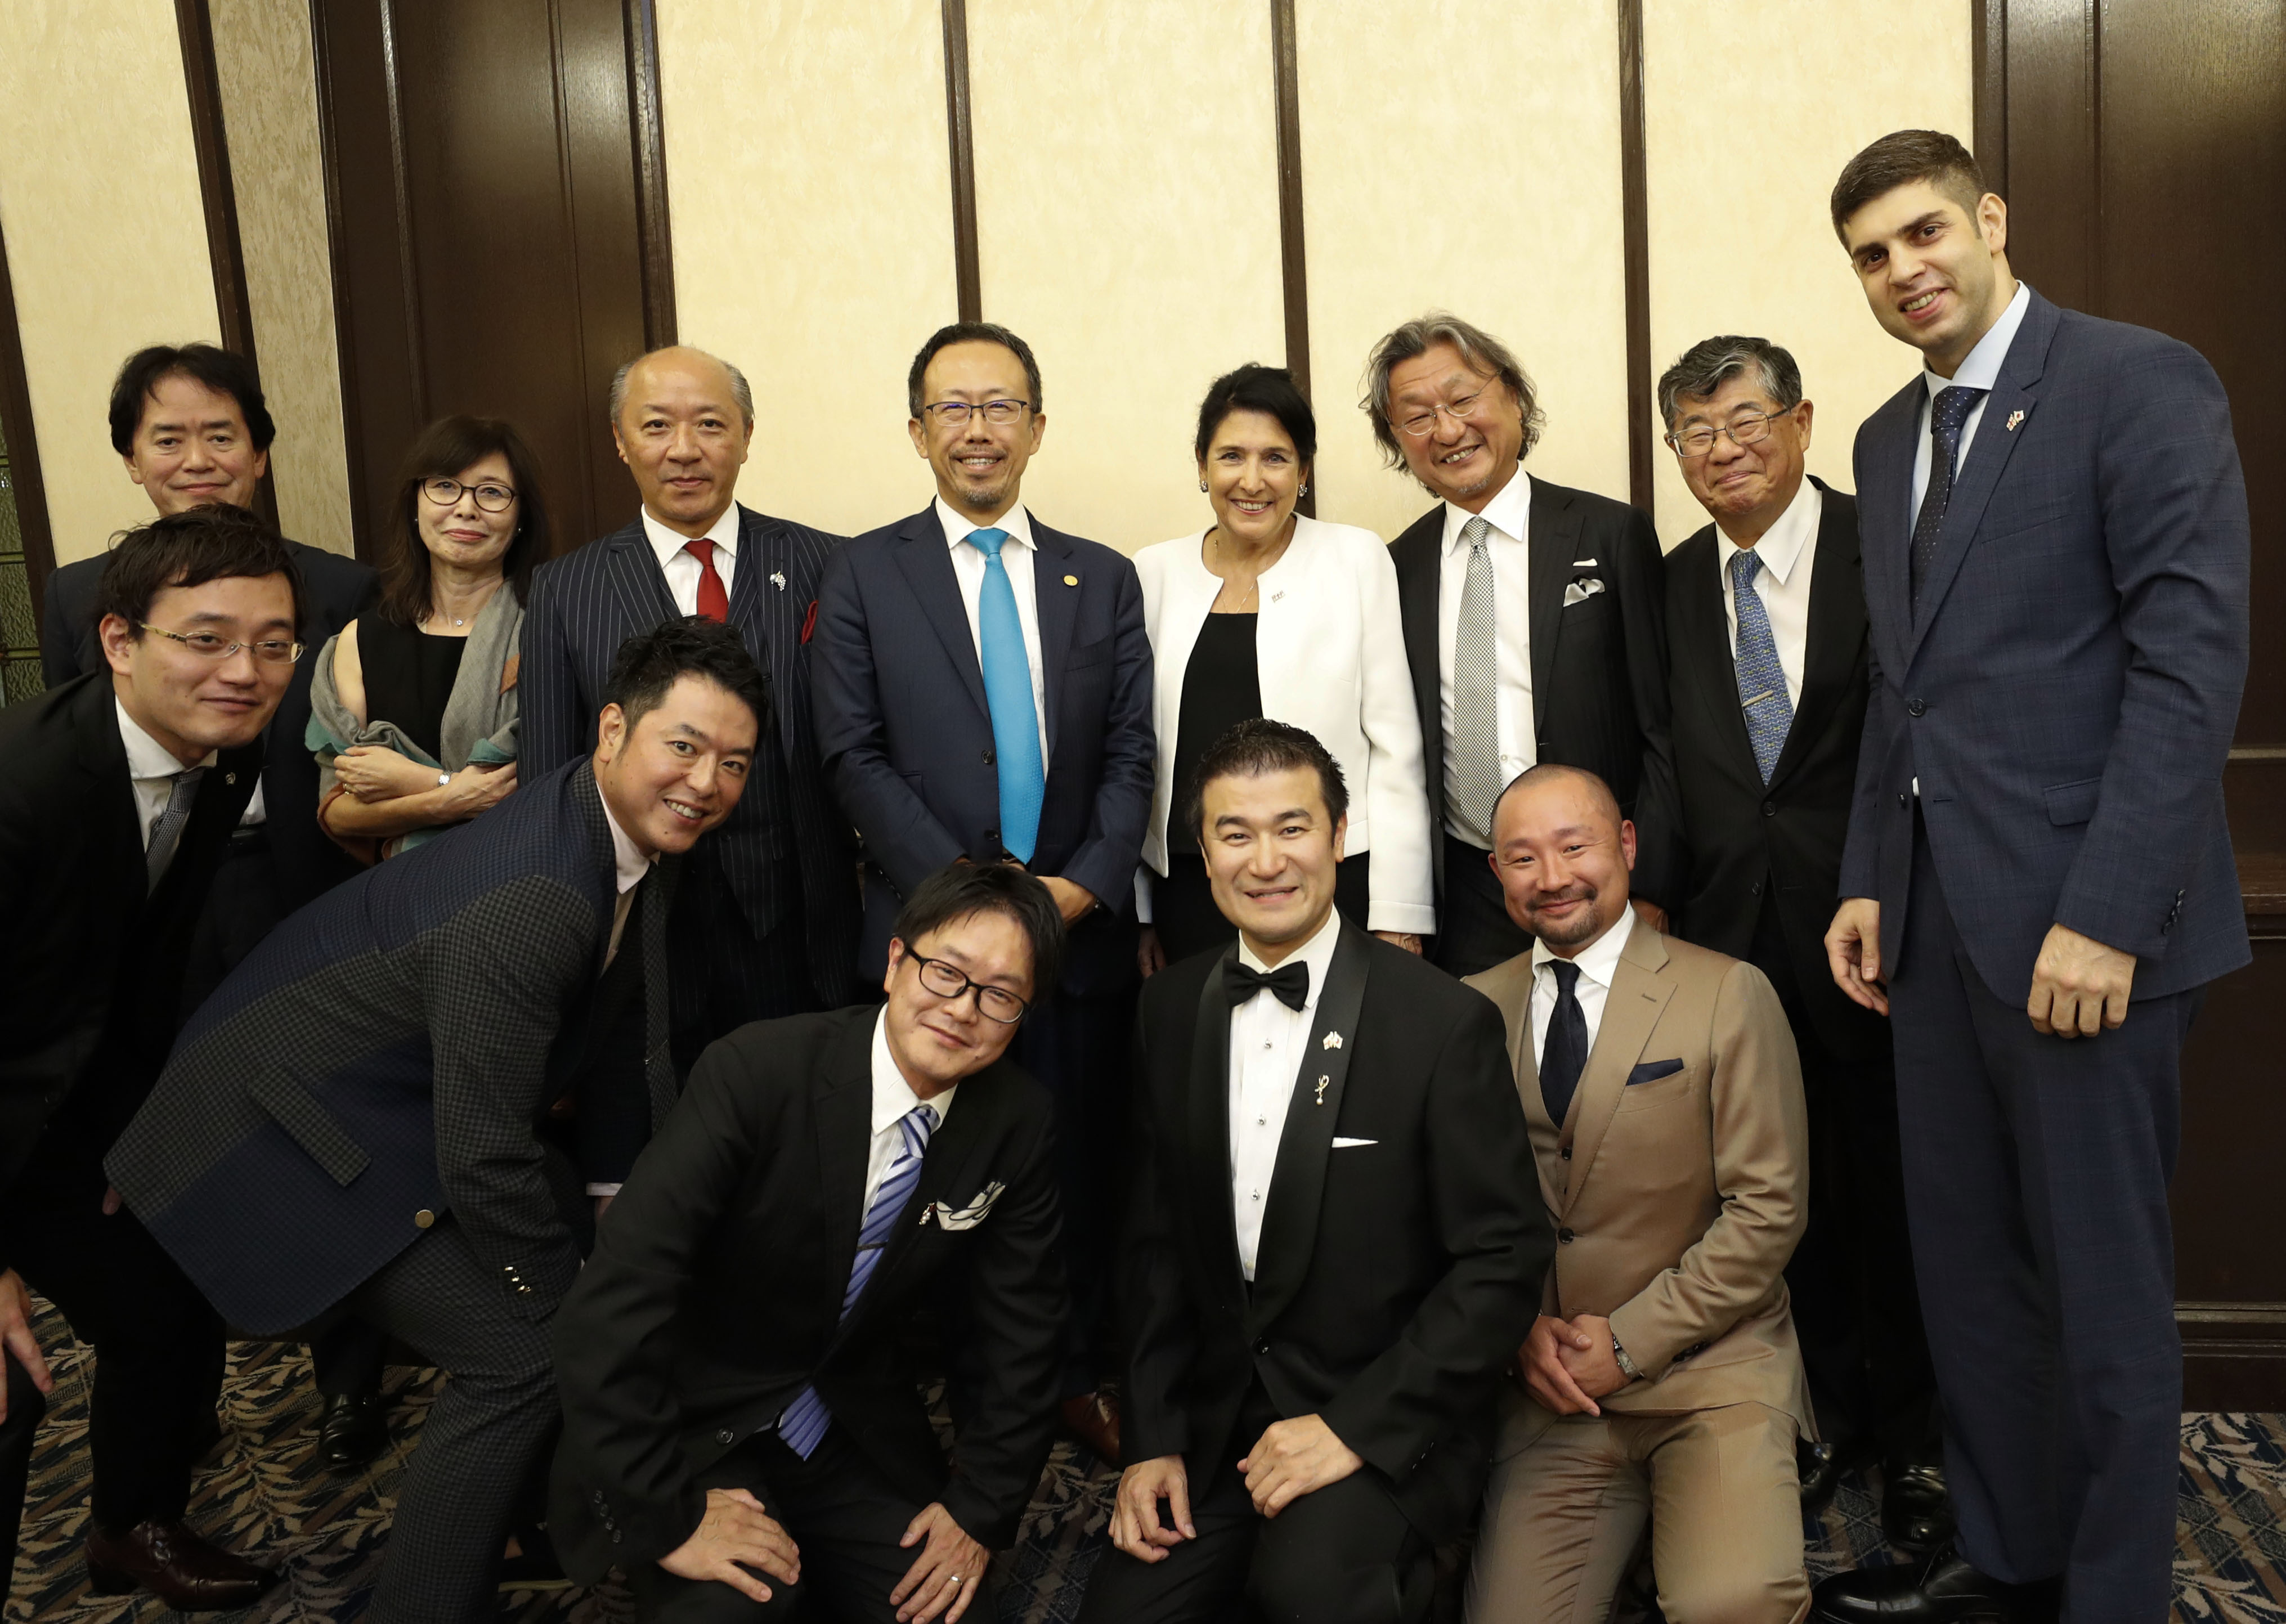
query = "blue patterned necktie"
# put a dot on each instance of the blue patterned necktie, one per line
(1008, 695)
(1948, 415)
(1761, 679)
(1563, 1051)
(803, 1421)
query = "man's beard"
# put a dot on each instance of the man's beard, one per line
(1581, 927)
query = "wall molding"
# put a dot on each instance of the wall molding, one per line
(31, 492)
(967, 274)
(1293, 248)
(1635, 240)
(646, 105)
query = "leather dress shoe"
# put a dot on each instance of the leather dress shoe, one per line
(1821, 1467)
(353, 1429)
(1093, 1418)
(1916, 1510)
(1942, 1587)
(175, 1566)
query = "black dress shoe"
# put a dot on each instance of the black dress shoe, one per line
(1093, 1419)
(1941, 1589)
(1916, 1510)
(1820, 1466)
(175, 1566)
(353, 1429)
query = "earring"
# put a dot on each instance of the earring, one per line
(1305, 491)
(1202, 485)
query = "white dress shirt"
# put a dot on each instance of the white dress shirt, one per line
(1981, 370)
(1267, 1041)
(629, 865)
(1509, 515)
(151, 769)
(1598, 962)
(1016, 555)
(893, 1098)
(1788, 550)
(681, 567)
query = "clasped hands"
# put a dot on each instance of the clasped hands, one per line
(1290, 1458)
(1569, 1364)
(373, 773)
(737, 1535)
(2079, 985)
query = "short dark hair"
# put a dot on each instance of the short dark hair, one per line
(214, 542)
(1257, 387)
(1900, 159)
(447, 447)
(959, 890)
(650, 664)
(1712, 362)
(1260, 745)
(223, 370)
(1480, 350)
(970, 332)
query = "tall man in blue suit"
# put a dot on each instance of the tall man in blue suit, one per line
(767, 924)
(984, 693)
(2038, 882)
(350, 1124)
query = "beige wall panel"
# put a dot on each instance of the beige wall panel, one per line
(270, 104)
(1467, 157)
(809, 185)
(1750, 114)
(106, 235)
(1127, 205)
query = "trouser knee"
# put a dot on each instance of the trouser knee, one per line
(1292, 1582)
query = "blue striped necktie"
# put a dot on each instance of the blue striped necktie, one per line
(803, 1423)
(1008, 695)
(1761, 680)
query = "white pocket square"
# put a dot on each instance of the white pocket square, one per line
(1583, 564)
(1342, 1144)
(1580, 591)
(970, 1216)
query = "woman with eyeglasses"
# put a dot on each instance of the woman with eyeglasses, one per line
(1266, 612)
(414, 706)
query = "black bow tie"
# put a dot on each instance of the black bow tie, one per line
(1288, 983)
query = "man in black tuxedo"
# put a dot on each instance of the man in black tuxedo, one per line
(118, 792)
(1766, 635)
(983, 690)
(732, 1388)
(766, 923)
(1533, 622)
(1335, 1239)
(350, 1125)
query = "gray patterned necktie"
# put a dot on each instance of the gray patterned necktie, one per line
(1474, 778)
(1948, 416)
(1761, 679)
(167, 833)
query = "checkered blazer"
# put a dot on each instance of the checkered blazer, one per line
(382, 1057)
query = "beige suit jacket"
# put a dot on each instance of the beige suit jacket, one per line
(1678, 1200)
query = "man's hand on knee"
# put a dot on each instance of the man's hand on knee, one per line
(17, 1339)
(945, 1576)
(1135, 1525)
(1293, 1458)
(733, 1535)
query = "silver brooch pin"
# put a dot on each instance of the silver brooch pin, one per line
(1322, 1089)
(777, 579)
(1333, 1041)
(2013, 419)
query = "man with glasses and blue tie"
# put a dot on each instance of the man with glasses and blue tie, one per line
(741, 1438)
(983, 694)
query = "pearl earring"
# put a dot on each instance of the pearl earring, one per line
(1202, 485)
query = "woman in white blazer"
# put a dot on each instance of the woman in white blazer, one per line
(1268, 613)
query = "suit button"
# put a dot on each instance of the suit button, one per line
(1263, 1346)
(423, 1219)
(992, 835)
(615, 1536)
(991, 760)
(724, 1436)
(1903, 801)
(1770, 808)
(598, 1498)
(1565, 1153)
(1756, 889)
(1564, 1237)
(1915, 707)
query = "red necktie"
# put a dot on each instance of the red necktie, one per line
(714, 599)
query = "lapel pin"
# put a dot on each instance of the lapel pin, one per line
(1071, 580)
(1322, 1089)
(1333, 1041)
(2013, 419)
(230, 777)
(777, 579)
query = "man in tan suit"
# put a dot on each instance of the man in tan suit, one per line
(1661, 1381)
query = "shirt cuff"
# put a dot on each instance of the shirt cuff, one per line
(604, 1190)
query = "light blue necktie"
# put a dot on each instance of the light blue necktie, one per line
(1761, 679)
(1008, 694)
(803, 1423)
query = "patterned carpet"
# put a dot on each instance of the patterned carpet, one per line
(261, 1491)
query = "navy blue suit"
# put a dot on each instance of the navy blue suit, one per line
(2065, 697)
(784, 939)
(907, 738)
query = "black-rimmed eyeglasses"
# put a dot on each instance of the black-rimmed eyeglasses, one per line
(490, 495)
(956, 413)
(947, 982)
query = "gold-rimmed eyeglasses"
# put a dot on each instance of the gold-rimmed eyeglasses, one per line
(1459, 410)
(207, 646)
(1744, 429)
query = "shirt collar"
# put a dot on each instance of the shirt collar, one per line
(1982, 369)
(892, 1096)
(1016, 521)
(626, 856)
(1780, 548)
(146, 757)
(1317, 952)
(666, 543)
(1508, 514)
(1599, 960)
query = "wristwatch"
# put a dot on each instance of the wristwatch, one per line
(443, 779)
(1627, 1366)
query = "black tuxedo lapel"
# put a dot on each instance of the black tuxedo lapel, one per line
(103, 757)
(1554, 528)
(952, 1172)
(927, 565)
(1837, 630)
(635, 577)
(659, 1052)
(1057, 605)
(753, 590)
(1209, 1125)
(1297, 1184)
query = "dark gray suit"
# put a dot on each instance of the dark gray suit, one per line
(2065, 697)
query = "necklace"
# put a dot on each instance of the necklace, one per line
(1253, 586)
(436, 613)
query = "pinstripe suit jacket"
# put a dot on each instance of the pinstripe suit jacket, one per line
(383, 1056)
(587, 603)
